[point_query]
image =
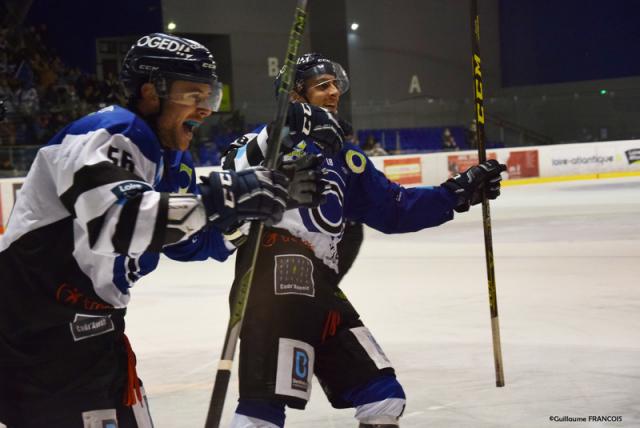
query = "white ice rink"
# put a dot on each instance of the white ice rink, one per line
(567, 259)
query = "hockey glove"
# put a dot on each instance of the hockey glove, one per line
(307, 188)
(231, 197)
(468, 186)
(305, 120)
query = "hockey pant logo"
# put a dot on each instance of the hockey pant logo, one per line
(85, 326)
(107, 418)
(370, 345)
(293, 274)
(294, 371)
(300, 372)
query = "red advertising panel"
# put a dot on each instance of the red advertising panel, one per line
(523, 164)
(459, 163)
(404, 171)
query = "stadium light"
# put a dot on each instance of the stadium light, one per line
(171, 26)
(354, 26)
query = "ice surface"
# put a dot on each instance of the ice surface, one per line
(567, 262)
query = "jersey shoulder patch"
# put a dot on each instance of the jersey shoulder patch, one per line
(355, 160)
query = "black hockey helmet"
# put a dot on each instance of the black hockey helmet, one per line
(314, 64)
(161, 58)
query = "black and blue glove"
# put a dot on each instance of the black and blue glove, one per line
(231, 198)
(305, 120)
(468, 186)
(307, 187)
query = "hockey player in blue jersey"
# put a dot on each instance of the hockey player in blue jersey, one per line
(103, 199)
(298, 323)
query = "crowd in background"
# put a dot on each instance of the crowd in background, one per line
(42, 94)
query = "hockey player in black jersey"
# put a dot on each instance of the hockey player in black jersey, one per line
(298, 323)
(103, 199)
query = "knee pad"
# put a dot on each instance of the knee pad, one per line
(258, 414)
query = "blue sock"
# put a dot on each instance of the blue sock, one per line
(375, 390)
(270, 411)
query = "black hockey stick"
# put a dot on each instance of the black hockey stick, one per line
(486, 214)
(241, 295)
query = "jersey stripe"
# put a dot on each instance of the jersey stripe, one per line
(91, 176)
(146, 215)
(160, 227)
(93, 229)
(126, 224)
(254, 154)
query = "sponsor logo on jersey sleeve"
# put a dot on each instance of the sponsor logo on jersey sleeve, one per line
(130, 189)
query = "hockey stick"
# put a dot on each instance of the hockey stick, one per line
(486, 214)
(240, 297)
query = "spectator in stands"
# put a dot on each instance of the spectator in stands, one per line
(448, 142)
(371, 147)
(5, 165)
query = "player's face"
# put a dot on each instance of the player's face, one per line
(323, 92)
(184, 110)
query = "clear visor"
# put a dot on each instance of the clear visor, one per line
(341, 80)
(210, 101)
(341, 85)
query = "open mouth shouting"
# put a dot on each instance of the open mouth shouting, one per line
(190, 126)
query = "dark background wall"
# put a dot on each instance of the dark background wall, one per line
(547, 41)
(544, 61)
(258, 30)
(74, 25)
(428, 39)
(396, 40)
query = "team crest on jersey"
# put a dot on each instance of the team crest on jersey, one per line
(129, 189)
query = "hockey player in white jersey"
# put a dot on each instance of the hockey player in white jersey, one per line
(298, 323)
(103, 198)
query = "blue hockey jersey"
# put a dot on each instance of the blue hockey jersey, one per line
(358, 192)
